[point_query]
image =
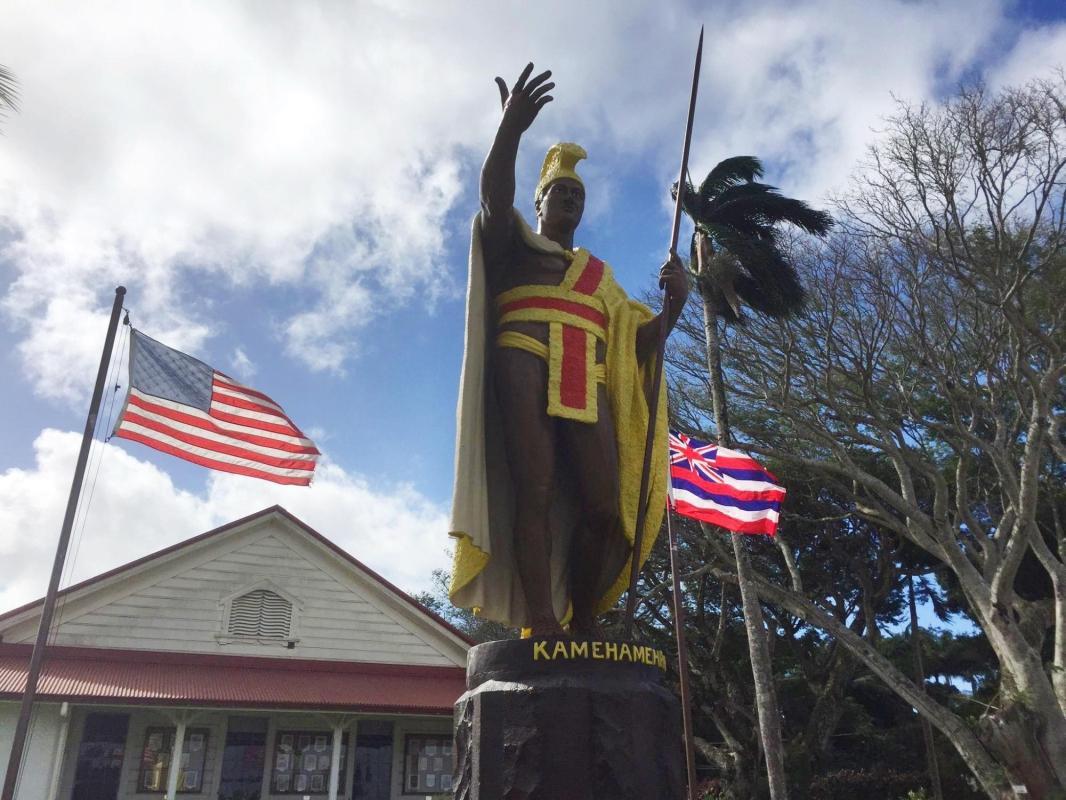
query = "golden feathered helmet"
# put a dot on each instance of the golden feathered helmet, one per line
(559, 163)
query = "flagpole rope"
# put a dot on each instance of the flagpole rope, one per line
(118, 367)
(124, 339)
(98, 449)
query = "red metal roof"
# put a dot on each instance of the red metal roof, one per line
(138, 677)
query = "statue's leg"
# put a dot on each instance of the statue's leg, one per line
(521, 380)
(593, 452)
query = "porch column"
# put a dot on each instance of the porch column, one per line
(61, 751)
(335, 762)
(175, 759)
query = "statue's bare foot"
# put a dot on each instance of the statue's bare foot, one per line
(587, 628)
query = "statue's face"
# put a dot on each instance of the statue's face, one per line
(562, 204)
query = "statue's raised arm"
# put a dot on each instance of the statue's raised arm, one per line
(521, 104)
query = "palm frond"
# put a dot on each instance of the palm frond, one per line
(760, 204)
(768, 282)
(730, 172)
(9, 93)
(690, 201)
(741, 217)
(765, 280)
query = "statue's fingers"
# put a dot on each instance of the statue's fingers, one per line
(520, 84)
(503, 91)
(540, 91)
(533, 84)
(544, 101)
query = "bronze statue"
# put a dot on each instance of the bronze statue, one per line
(553, 401)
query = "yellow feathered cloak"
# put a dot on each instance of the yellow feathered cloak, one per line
(484, 576)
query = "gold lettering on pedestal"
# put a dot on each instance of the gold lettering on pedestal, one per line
(568, 650)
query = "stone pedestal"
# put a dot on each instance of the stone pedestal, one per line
(562, 719)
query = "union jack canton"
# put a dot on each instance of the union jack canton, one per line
(721, 486)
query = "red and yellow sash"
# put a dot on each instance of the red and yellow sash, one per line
(576, 318)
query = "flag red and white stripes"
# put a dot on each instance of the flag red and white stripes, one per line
(241, 431)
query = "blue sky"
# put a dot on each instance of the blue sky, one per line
(286, 192)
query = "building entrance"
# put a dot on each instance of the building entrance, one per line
(242, 759)
(99, 766)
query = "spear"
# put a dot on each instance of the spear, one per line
(642, 503)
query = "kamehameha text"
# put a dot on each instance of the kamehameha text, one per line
(598, 651)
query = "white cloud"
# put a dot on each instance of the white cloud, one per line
(1037, 53)
(806, 85)
(243, 367)
(136, 510)
(322, 146)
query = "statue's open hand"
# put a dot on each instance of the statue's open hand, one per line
(672, 277)
(524, 100)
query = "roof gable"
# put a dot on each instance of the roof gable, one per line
(175, 600)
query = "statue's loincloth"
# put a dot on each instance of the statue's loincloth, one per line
(576, 317)
(520, 341)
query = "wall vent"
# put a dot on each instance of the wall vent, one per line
(260, 613)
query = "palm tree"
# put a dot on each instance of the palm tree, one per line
(737, 257)
(9, 95)
(737, 260)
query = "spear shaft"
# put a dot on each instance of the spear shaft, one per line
(649, 442)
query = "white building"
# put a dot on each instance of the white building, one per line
(282, 667)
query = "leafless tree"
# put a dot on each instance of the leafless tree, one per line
(927, 381)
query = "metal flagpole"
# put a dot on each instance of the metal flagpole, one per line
(649, 441)
(18, 742)
(682, 657)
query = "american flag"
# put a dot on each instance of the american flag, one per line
(723, 487)
(181, 406)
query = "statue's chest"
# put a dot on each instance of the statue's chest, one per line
(533, 269)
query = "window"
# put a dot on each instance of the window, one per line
(302, 762)
(156, 755)
(427, 763)
(260, 613)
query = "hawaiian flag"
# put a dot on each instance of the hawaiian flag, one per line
(181, 406)
(723, 487)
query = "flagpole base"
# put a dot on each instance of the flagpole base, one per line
(567, 719)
